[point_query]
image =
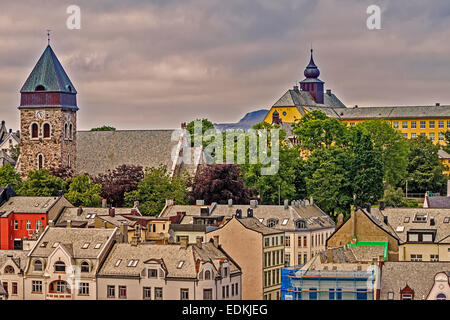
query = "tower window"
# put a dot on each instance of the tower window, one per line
(65, 130)
(40, 88)
(46, 130)
(40, 161)
(70, 131)
(34, 130)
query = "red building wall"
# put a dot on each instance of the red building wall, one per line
(8, 233)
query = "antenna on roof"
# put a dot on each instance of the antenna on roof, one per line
(48, 36)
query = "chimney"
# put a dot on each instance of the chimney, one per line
(184, 241)
(329, 255)
(353, 219)
(10, 130)
(432, 221)
(296, 89)
(216, 241)
(249, 213)
(199, 242)
(382, 205)
(69, 224)
(329, 92)
(230, 202)
(286, 204)
(253, 203)
(368, 208)
(340, 220)
(356, 106)
(51, 223)
(311, 201)
(385, 219)
(136, 205)
(105, 224)
(134, 212)
(104, 203)
(124, 232)
(112, 212)
(238, 213)
(79, 211)
(169, 202)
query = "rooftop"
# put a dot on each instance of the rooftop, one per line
(28, 205)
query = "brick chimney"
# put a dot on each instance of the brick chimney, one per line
(79, 211)
(134, 212)
(112, 212)
(216, 241)
(184, 240)
(199, 242)
(69, 224)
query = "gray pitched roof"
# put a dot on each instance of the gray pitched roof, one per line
(438, 202)
(71, 213)
(255, 225)
(28, 205)
(100, 151)
(419, 276)
(49, 73)
(396, 112)
(19, 257)
(293, 98)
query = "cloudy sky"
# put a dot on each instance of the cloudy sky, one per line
(142, 64)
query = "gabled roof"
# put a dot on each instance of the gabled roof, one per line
(28, 205)
(300, 98)
(48, 72)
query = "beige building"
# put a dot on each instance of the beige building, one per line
(305, 225)
(12, 265)
(64, 262)
(415, 281)
(169, 272)
(258, 250)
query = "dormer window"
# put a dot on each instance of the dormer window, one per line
(420, 217)
(85, 267)
(60, 266)
(207, 275)
(38, 265)
(300, 224)
(271, 223)
(40, 88)
(9, 270)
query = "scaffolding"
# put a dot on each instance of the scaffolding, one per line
(297, 284)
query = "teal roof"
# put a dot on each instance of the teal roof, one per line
(49, 73)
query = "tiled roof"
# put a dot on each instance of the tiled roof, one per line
(438, 202)
(49, 73)
(28, 205)
(419, 276)
(255, 225)
(400, 112)
(18, 256)
(396, 218)
(71, 213)
(293, 98)
(73, 240)
(100, 151)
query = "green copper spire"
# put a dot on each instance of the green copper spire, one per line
(48, 75)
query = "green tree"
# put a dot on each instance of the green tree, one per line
(206, 125)
(104, 128)
(393, 147)
(14, 151)
(40, 183)
(84, 192)
(154, 188)
(424, 167)
(8, 176)
(367, 171)
(394, 197)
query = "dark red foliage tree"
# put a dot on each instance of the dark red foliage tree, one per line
(118, 181)
(63, 172)
(218, 183)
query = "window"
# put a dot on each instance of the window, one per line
(152, 273)
(40, 88)
(405, 124)
(266, 242)
(59, 286)
(111, 291)
(312, 294)
(422, 125)
(271, 223)
(423, 134)
(406, 220)
(225, 272)
(300, 224)
(83, 288)
(65, 131)
(441, 136)
(28, 225)
(331, 294)
(405, 135)
(86, 245)
(285, 221)
(448, 124)
(434, 257)
(441, 124)
(70, 131)
(432, 136)
(158, 293)
(38, 224)
(427, 237)
(395, 124)
(122, 292)
(40, 161)
(361, 294)
(338, 294)
(288, 242)
(207, 294)
(9, 270)
(38, 265)
(97, 246)
(390, 295)
(413, 135)
(413, 237)
(441, 296)
(413, 125)
(416, 257)
(34, 131)
(133, 263)
(180, 264)
(84, 267)
(305, 258)
(236, 290)
(55, 244)
(446, 219)
(287, 259)
(16, 224)
(118, 262)
(431, 124)
(406, 296)
(60, 266)
(184, 294)
(420, 217)
(36, 286)
(147, 293)
(46, 130)
(304, 241)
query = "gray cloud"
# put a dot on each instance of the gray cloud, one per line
(154, 64)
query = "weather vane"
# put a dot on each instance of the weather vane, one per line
(48, 36)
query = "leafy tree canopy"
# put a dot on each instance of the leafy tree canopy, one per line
(40, 183)
(8, 176)
(104, 128)
(84, 192)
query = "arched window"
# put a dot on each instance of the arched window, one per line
(84, 267)
(69, 87)
(207, 275)
(34, 130)
(300, 224)
(46, 130)
(9, 270)
(70, 131)
(40, 161)
(68, 160)
(59, 286)
(441, 296)
(38, 265)
(65, 131)
(60, 266)
(40, 88)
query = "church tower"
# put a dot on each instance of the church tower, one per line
(312, 83)
(48, 117)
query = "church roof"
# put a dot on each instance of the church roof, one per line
(300, 98)
(49, 73)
